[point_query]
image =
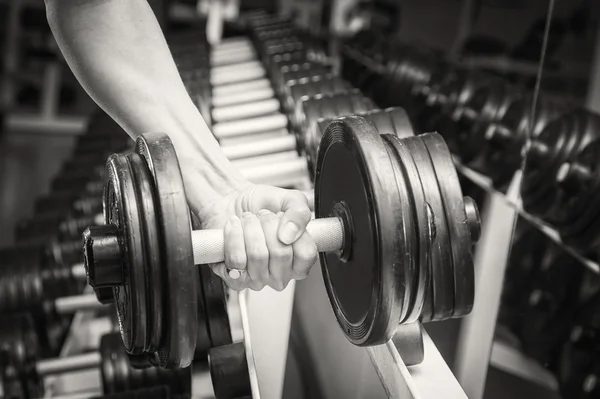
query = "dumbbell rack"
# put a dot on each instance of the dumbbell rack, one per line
(86, 330)
(477, 349)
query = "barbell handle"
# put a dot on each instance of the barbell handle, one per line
(208, 245)
(71, 363)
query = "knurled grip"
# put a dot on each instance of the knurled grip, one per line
(209, 247)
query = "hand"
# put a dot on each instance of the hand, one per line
(264, 235)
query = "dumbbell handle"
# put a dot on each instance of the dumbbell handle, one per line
(75, 303)
(208, 245)
(66, 364)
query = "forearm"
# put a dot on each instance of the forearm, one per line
(119, 55)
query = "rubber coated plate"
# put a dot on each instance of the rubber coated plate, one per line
(215, 303)
(353, 169)
(442, 273)
(422, 224)
(150, 240)
(391, 120)
(122, 210)
(458, 226)
(579, 208)
(407, 228)
(179, 276)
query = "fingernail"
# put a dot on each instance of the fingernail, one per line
(289, 233)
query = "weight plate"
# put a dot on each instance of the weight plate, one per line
(548, 312)
(328, 107)
(391, 120)
(215, 303)
(352, 173)
(179, 276)
(229, 371)
(407, 260)
(581, 194)
(461, 242)
(441, 265)
(422, 224)
(122, 210)
(151, 242)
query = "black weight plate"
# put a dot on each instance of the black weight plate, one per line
(579, 208)
(441, 265)
(150, 230)
(298, 93)
(122, 210)
(548, 313)
(215, 304)
(327, 107)
(391, 120)
(408, 260)
(458, 225)
(546, 154)
(229, 371)
(179, 276)
(353, 169)
(423, 228)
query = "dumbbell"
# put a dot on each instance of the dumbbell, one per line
(559, 143)
(229, 373)
(507, 137)
(371, 198)
(578, 369)
(575, 214)
(528, 251)
(19, 342)
(486, 107)
(445, 105)
(405, 69)
(47, 287)
(550, 305)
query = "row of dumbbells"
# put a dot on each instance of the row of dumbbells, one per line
(25, 372)
(550, 312)
(491, 126)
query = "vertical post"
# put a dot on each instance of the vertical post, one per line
(477, 331)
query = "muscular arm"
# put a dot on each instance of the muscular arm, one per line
(118, 53)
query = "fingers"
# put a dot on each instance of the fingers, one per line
(280, 255)
(257, 253)
(296, 215)
(305, 256)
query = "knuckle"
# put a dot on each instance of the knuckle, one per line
(304, 212)
(281, 252)
(238, 259)
(257, 254)
(306, 253)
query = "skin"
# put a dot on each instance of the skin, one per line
(118, 53)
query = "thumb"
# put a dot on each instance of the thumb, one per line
(296, 215)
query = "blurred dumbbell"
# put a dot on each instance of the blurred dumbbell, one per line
(229, 371)
(559, 143)
(506, 138)
(579, 366)
(576, 215)
(19, 343)
(550, 306)
(487, 105)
